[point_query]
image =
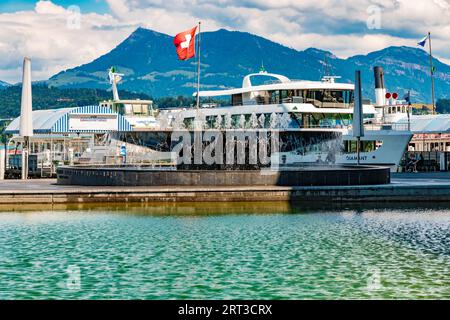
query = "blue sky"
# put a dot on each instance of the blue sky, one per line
(57, 38)
(99, 6)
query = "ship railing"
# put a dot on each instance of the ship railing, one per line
(387, 126)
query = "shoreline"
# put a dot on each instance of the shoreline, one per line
(423, 187)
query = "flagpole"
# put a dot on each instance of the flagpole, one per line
(432, 74)
(409, 110)
(198, 65)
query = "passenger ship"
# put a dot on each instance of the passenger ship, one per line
(313, 105)
(317, 107)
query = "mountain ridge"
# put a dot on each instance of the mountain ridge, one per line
(149, 62)
(4, 84)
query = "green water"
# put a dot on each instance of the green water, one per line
(234, 251)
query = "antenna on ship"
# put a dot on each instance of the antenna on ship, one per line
(327, 76)
(262, 69)
(326, 68)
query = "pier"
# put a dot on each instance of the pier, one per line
(405, 187)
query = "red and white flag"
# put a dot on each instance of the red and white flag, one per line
(185, 43)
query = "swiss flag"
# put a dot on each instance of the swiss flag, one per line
(185, 43)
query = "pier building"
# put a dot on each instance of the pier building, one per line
(63, 136)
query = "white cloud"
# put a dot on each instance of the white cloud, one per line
(335, 25)
(48, 7)
(44, 35)
(119, 7)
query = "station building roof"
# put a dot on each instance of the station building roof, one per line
(58, 121)
(428, 123)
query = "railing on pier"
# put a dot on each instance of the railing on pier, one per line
(425, 161)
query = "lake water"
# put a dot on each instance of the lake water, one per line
(224, 251)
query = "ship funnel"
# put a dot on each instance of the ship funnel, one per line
(380, 89)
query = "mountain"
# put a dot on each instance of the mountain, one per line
(406, 69)
(4, 84)
(149, 62)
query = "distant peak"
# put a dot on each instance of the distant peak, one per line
(141, 31)
(400, 49)
(223, 30)
(403, 48)
(320, 52)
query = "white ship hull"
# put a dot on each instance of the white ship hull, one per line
(389, 153)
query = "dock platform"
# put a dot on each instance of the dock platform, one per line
(406, 187)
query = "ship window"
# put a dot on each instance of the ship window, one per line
(236, 99)
(315, 97)
(329, 98)
(275, 97)
(262, 97)
(350, 146)
(210, 121)
(189, 122)
(324, 120)
(287, 96)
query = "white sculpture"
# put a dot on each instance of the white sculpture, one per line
(262, 121)
(178, 124)
(218, 122)
(274, 121)
(228, 121)
(242, 122)
(253, 121)
(285, 121)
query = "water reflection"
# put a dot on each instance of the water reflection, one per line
(275, 250)
(226, 208)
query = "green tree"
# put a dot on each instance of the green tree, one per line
(443, 106)
(45, 97)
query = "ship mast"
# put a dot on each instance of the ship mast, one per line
(432, 74)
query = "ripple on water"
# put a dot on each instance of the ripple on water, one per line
(371, 254)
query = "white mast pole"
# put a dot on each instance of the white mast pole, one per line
(198, 65)
(26, 121)
(358, 126)
(432, 74)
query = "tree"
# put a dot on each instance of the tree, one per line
(443, 106)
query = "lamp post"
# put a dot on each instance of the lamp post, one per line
(358, 125)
